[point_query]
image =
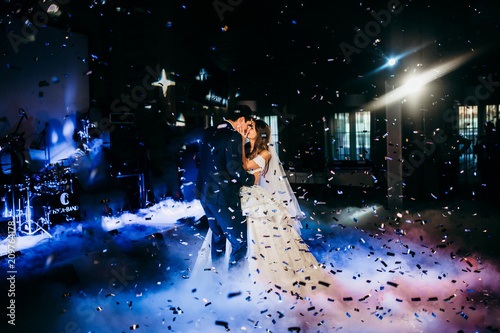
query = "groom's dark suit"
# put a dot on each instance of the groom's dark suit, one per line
(220, 178)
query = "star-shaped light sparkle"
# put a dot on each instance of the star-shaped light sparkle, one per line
(164, 83)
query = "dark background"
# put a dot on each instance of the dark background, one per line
(282, 57)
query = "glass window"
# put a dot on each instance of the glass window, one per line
(492, 114)
(350, 130)
(468, 128)
(362, 135)
(272, 121)
(341, 137)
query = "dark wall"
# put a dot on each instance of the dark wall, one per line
(48, 77)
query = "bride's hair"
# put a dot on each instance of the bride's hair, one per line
(261, 141)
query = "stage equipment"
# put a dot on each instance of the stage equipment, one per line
(85, 143)
(34, 201)
(25, 222)
(56, 208)
(127, 154)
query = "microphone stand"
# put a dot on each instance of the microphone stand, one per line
(46, 146)
(13, 156)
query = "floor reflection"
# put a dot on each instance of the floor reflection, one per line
(426, 269)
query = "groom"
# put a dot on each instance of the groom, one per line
(220, 178)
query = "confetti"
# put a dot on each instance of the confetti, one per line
(222, 323)
(324, 283)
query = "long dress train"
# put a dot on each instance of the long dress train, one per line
(277, 255)
(283, 272)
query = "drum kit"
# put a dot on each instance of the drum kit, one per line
(44, 199)
(32, 202)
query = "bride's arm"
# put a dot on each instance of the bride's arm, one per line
(266, 155)
(247, 164)
(250, 164)
(243, 154)
(244, 157)
(257, 177)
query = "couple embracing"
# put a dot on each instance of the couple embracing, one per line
(249, 203)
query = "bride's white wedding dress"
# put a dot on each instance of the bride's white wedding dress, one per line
(278, 257)
(280, 274)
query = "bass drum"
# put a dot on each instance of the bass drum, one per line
(60, 207)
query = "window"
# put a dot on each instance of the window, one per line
(341, 141)
(468, 128)
(492, 114)
(272, 121)
(343, 138)
(362, 135)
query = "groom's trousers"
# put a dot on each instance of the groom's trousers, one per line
(227, 223)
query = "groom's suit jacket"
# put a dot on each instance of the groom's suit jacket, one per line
(221, 172)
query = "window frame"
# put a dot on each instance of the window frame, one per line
(354, 149)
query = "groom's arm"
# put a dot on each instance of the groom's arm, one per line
(234, 163)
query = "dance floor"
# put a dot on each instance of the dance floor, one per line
(432, 268)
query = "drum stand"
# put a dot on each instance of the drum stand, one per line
(32, 226)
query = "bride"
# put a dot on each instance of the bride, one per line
(283, 274)
(277, 255)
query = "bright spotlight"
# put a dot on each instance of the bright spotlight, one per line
(391, 62)
(413, 85)
(418, 82)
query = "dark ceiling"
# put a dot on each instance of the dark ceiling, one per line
(282, 46)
